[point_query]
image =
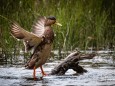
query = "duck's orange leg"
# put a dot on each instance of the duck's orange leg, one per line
(43, 73)
(34, 73)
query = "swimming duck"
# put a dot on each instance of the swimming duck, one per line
(40, 40)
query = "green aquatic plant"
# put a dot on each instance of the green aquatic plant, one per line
(80, 19)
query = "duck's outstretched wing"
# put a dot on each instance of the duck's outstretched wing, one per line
(30, 40)
(38, 27)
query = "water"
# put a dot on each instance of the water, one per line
(13, 76)
(101, 74)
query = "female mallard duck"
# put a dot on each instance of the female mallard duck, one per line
(40, 40)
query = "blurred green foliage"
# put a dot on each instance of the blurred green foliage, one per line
(86, 23)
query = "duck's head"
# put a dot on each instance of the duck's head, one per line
(51, 20)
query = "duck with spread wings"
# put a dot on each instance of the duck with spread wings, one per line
(40, 40)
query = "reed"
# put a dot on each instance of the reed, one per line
(80, 19)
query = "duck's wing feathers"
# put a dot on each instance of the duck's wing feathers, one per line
(30, 40)
(38, 27)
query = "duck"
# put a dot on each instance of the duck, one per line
(40, 40)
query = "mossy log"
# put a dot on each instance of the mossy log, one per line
(72, 62)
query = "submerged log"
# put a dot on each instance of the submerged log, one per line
(72, 62)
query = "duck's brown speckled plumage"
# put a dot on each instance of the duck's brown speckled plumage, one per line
(40, 39)
(42, 51)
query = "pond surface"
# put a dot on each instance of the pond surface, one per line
(103, 74)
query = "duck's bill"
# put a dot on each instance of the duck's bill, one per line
(58, 24)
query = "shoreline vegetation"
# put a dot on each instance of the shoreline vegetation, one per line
(87, 25)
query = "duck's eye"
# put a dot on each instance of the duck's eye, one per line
(52, 18)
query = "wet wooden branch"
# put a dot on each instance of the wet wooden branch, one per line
(72, 62)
